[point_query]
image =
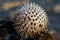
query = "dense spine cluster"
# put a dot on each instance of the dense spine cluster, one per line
(30, 19)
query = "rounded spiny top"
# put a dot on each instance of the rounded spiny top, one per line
(30, 20)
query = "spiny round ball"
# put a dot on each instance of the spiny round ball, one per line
(30, 20)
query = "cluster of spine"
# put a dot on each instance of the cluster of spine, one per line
(30, 20)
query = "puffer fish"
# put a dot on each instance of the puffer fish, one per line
(30, 20)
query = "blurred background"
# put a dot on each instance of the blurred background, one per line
(52, 8)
